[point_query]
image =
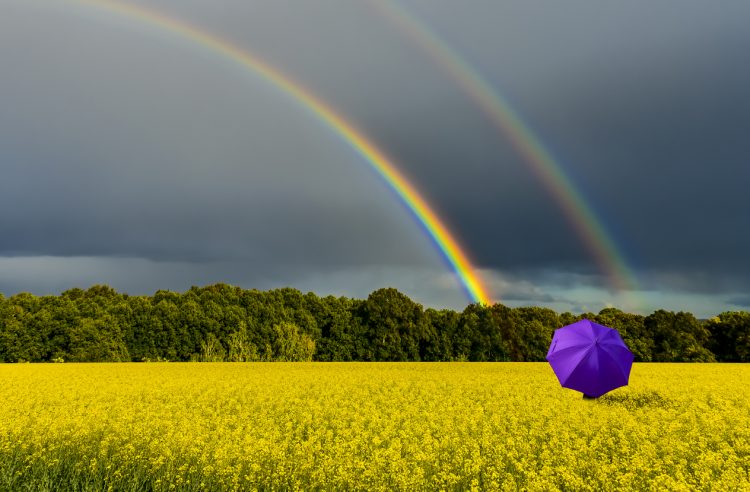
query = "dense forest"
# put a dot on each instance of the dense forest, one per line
(225, 323)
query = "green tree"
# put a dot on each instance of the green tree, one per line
(533, 329)
(291, 345)
(341, 335)
(97, 340)
(221, 322)
(444, 324)
(17, 342)
(395, 325)
(240, 348)
(730, 336)
(479, 334)
(678, 337)
(211, 350)
(632, 329)
(166, 330)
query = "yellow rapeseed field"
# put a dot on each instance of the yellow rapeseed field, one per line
(369, 426)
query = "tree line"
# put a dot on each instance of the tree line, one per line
(226, 323)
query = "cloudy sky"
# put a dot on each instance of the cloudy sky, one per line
(132, 157)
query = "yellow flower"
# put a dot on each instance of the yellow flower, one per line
(410, 426)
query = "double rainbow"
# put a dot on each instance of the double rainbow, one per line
(499, 111)
(375, 157)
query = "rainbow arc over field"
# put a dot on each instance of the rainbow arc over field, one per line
(500, 112)
(378, 160)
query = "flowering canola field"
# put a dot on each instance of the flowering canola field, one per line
(369, 426)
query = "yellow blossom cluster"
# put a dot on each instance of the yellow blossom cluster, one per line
(369, 426)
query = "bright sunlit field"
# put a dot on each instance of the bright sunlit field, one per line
(369, 426)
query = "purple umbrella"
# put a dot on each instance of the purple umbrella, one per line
(590, 358)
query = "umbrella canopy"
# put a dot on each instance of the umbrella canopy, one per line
(590, 358)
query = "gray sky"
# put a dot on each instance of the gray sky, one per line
(133, 158)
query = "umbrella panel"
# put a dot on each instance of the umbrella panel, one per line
(590, 358)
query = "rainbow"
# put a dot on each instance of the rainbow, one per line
(438, 232)
(548, 170)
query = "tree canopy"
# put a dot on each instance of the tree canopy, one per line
(225, 323)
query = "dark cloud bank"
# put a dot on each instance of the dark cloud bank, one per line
(129, 158)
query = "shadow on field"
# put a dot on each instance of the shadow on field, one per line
(637, 399)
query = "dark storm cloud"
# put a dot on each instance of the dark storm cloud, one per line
(142, 152)
(742, 301)
(645, 107)
(120, 142)
(663, 150)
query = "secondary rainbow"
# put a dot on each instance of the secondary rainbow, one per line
(438, 232)
(548, 170)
